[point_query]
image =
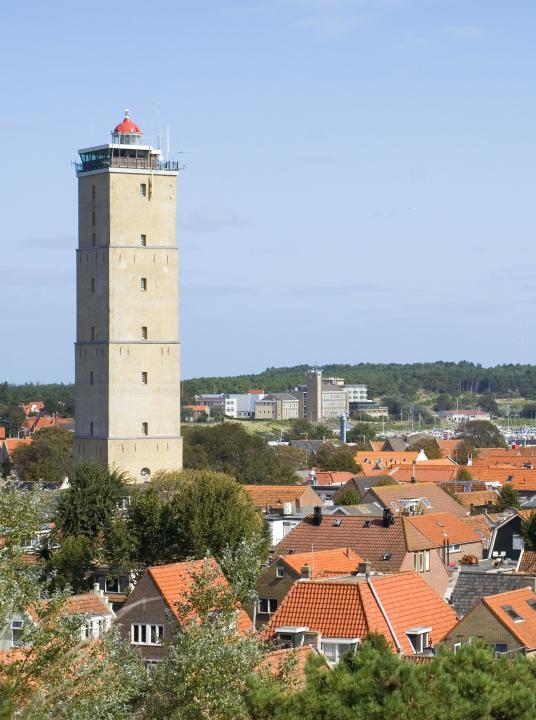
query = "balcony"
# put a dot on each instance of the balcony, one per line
(133, 163)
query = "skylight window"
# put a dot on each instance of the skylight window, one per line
(426, 502)
(509, 610)
(532, 604)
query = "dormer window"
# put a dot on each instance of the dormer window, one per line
(419, 638)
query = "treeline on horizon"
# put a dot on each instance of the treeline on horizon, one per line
(387, 379)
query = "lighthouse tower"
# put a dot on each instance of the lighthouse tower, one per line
(127, 343)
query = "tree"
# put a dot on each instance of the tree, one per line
(302, 429)
(230, 449)
(430, 447)
(205, 674)
(145, 519)
(528, 532)
(507, 498)
(464, 475)
(481, 434)
(361, 433)
(70, 565)
(294, 457)
(90, 502)
(11, 418)
(347, 496)
(463, 452)
(444, 402)
(332, 457)
(209, 513)
(55, 677)
(488, 403)
(48, 459)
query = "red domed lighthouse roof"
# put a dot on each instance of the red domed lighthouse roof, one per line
(127, 126)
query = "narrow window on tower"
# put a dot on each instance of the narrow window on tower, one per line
(93, 218)
(145, 428)
(92, 333)
(144, 378)
(143, 240)
(143, 283)
(144, 332)
(91, 428)
(91, 377)
(92, 284)
(143, 190)
(93, 192)
(93, 239)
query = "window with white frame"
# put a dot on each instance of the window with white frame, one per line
(143, 190)
(421, 561)
(267, 606)
(280, 571)
(142, 634)
(455, 548)
(517, 542)
(17, 629)
(419, 638)
(335, 649)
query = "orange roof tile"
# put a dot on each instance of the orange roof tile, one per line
(425, 472)
(325, 563)
(439, 501)
(276, 495)
(174, 581)
(527, 563)
(440, 526)
(525, 629)
(409, 602)
(275, 662)
(478, 498)
(350, 609)
(11, 443)
(384, 547)
(480, 525)
(333, 478)
(387, 457)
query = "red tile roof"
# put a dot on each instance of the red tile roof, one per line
(275, 495)
(276, 662)
(333, 478)
(174, 581)
(386, 457)
(384, 547)
(478, 498)
(325, 563)
(525, 629)
(351, 610)
(440, 526)
(527, 562)
(439, 501)
(480, 525)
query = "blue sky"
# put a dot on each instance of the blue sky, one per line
(359, 180)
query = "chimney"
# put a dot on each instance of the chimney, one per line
(414, 472)
(364, 568)
(388, 518)
(306, 572)
(317, 515)
(97, 589)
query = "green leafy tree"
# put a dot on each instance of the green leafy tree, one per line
(361, 433)
(507, 498)
(347, 496)
(481, 434)
(528, 532)
(488, 403)
(429, 446)
(48, 459)
(11, 418)
(90, 502)
(444, 402)
(210, 513)
(242, 566)
(70, 565)
(56, 677)
(145, 518)
(229, 448)
(205, 674)
(463, 452)
(464, 475)
(302, 429)
(331, 457)
(289, 456)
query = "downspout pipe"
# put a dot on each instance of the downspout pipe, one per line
(382, 610)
